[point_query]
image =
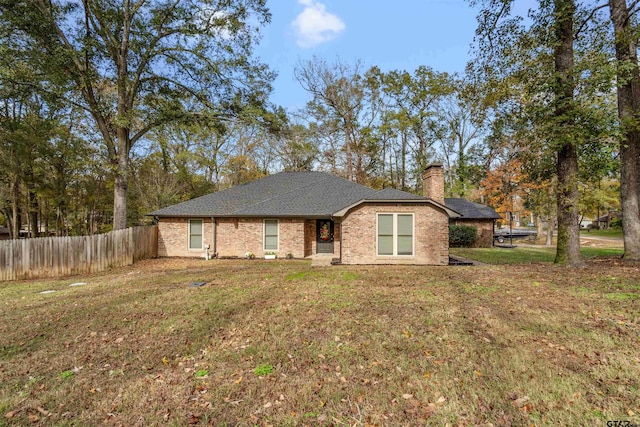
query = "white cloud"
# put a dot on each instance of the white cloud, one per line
(314, 25)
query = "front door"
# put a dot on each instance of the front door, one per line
(324, 236)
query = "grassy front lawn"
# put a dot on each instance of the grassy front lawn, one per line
(527, 254)
(279, 343)
(612, 232)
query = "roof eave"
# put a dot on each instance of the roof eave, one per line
(200, 215)
(450, 212)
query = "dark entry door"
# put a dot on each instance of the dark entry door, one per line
(324, 236)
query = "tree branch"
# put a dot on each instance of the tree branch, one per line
(589, 18)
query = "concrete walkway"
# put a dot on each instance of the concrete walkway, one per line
(466, 260)
(321, 260)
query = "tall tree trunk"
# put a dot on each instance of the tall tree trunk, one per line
(568, 246)
(628, 79)
(121, 181)
(403, 183)
(15, 207)
(347, 146)
(34, 208)
(551, 225)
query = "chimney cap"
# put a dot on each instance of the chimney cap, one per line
(434, 165)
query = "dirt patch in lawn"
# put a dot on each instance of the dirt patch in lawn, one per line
(280, 343)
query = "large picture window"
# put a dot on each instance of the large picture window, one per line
(270, 234)
(195, 233)
(395, 234)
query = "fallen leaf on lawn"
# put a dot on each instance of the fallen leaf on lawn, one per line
(431, 408)
(33, 418)
(10, 414)
(521, 401)
(407, 396)
(427, 375)
(238, 381)
(414, 402)
(43, 411)
(119, 340)
(441, 399)
(478, 373)
(267, 405)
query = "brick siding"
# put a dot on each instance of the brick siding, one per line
(234, 237)
(431, 235)
(357, 233)
(433, 183)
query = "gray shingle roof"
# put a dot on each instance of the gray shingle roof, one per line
(471, 210)
(293, 194)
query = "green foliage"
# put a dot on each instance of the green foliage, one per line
(132, 67)
(616, 223)
(263, 370)
(67, 374)
(462, 236)
(202, 373)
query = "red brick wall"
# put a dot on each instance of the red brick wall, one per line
(484, 230)
(173, 237)
(433, 182)
(431, 235)
(309, 237)
(234, 237)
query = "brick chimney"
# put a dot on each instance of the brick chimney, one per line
(433, 181)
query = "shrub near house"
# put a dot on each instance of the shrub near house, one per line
(462, 236)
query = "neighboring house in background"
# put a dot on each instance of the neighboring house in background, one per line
(474, 214)
(310, 213)
(4, 233)
(604, 221)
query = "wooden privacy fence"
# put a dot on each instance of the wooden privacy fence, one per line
(65, 256)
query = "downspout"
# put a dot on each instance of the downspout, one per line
(214, 252)
(340, 238)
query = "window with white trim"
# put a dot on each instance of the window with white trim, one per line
(395, 234)
(196, 230)
(270, 234)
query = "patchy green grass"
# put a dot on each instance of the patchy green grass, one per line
(527, 254)
(611, 232)
(279, 343)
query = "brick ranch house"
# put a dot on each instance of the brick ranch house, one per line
(304, 214)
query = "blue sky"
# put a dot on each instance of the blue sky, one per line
(394, 35)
